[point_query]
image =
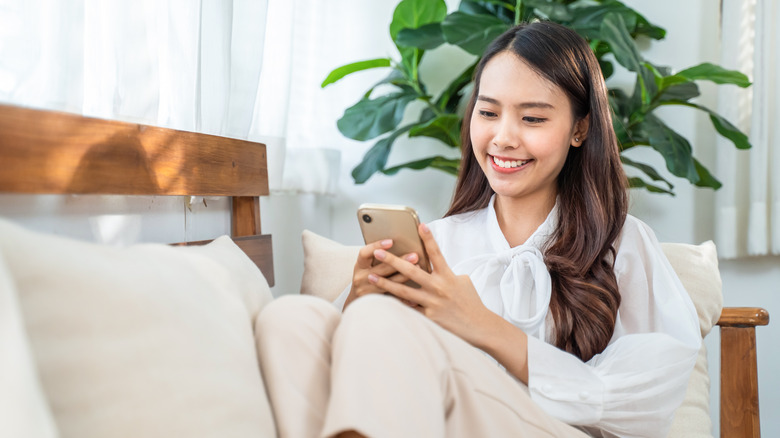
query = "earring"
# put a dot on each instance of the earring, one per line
(576, 139)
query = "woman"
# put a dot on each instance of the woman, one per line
(549, 311)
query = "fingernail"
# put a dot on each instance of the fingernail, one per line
(387, 242)
(372, 278)
(379, 254)
(425, 228)
(410, 257)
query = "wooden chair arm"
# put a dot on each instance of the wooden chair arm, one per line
(743, 317)
(738, 371)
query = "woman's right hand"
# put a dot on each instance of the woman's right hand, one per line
(363, 267)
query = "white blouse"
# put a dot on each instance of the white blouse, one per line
(633, 387)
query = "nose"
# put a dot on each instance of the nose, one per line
(506, 135)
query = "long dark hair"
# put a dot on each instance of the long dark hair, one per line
(592, 197)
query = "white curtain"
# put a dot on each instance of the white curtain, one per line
(748, 205)
(306, 39)
(184, 64)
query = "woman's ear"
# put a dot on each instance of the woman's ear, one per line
(580, 131)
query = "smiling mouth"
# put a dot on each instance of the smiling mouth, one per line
(509, 164)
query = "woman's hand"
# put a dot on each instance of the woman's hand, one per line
(448, 299)
(452, 302)
(363, 269)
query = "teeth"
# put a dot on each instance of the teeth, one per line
(509, 164)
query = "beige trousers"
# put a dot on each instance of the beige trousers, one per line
(385, 370)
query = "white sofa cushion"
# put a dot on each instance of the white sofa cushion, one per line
(696, 265)
(24, 411)
(145, 341)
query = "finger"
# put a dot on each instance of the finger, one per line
(385, 270)
(366, 253)
(402, 291)
(432, 249)
(398, 278)
(404, 267)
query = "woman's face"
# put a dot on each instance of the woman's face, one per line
(521, 129)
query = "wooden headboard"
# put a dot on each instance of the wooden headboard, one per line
(48, 152)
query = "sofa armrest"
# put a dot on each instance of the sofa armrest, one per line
(738, 371)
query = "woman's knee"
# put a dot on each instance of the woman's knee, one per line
(377, 312)
(296, 314)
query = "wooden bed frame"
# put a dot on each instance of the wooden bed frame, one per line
(51, 152)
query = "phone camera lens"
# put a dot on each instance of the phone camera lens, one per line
(366, 218)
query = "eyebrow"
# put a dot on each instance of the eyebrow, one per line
(519, 105)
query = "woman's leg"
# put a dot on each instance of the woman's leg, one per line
(396, 373)
(293, 336)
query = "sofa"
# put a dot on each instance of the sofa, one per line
(154, 340)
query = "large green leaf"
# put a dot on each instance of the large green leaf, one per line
(646, 169)
(396, 77)
(427, 36)
(613, 31)
(645, 91)
(411, 14)
(705, 177)
(370, 118)
(587, 20)
(445, 128)
(708, 72)
(449, 165)
(504, 10)
(375, 159)
(588, 17)
(344, 70)
(607, 69)
(556, 12)
(449, 99)
(723, 126)
(685, 91)
(620, 102)
(636, 183)
(472, 33)
(673, 147)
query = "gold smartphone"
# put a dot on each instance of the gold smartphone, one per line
(397, 222)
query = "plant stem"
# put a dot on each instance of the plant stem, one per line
(436, 110)
(518, 11)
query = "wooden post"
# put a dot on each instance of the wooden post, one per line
(739, 415)
(245, 217)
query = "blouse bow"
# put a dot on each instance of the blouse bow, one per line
(524, 289)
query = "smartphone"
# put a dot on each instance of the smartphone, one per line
(397, 222)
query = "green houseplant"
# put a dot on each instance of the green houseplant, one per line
(611, 29)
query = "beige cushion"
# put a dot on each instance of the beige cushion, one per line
(327, 266)
(146, 341)
(696, 265)
(24, 411)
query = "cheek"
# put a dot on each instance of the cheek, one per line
(479, 135)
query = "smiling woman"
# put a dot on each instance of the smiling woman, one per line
(529, 270)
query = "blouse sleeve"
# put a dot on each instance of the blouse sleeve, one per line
(634, 386)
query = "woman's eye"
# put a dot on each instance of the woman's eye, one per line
(533, 119)
(488, 114)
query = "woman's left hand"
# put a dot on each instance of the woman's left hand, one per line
(449, 300)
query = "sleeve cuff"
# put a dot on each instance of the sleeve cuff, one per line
(563, 385)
